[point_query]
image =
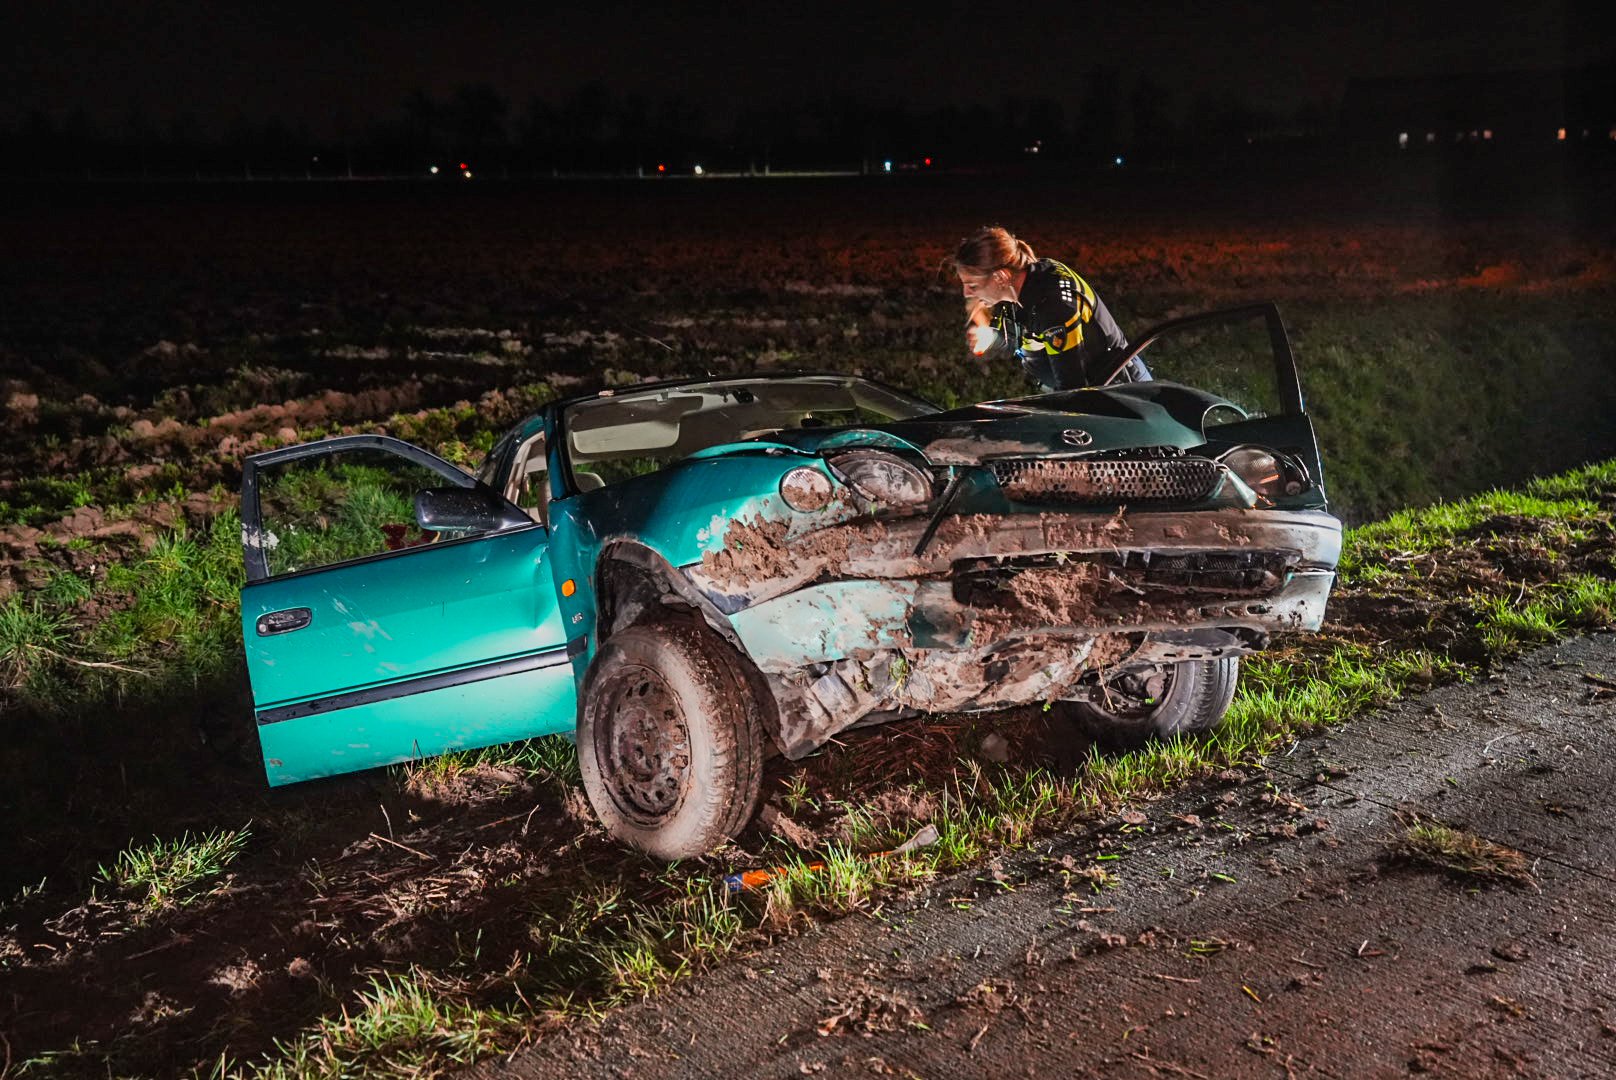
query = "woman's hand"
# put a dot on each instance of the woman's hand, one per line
(979, 333)
(980, 339)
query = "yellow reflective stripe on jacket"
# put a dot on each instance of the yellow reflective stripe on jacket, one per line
(1072, 334)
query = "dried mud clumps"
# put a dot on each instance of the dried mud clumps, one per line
(806, 490)
(753, 551)
(757, 553)
(29, 556)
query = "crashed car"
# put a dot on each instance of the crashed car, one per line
(681, 574)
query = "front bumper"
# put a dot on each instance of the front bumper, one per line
(856, 590)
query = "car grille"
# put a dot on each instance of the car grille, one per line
(1113, 480)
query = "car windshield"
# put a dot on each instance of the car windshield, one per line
(633, 432)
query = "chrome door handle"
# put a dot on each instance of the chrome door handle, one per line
(284, 622)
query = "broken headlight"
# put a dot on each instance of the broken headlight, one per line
(806, 489)
(1270, 474)
(883, 478)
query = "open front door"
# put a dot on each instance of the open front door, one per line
(1241, 354)
(371, 640)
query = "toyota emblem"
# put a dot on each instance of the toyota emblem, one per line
(1076, 436)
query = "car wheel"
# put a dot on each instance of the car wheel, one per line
(669, 742)
(1169, 699)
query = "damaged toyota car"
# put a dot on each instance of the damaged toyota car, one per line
(683, 574)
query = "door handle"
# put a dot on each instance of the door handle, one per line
(284, 622)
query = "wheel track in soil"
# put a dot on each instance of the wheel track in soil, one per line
(1321, 958)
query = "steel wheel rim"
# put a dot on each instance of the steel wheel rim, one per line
(1133, 697)
(645, 748)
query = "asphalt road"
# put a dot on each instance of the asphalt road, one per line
(1255, 928)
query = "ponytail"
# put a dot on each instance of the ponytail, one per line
(992, 248)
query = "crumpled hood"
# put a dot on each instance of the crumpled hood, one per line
(1065, 423)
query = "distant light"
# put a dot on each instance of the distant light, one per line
(317, 159)
(468, 174)
(698, 170)
(661, 168)
(464, 166)
(1613, 134)
(1430, 136)
(886, 166)
(1559, 134)
(1117, 160)
(1486, 133)
(1402, 140)
(433, 170)
(928, 161)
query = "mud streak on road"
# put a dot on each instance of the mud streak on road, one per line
(1256, 929)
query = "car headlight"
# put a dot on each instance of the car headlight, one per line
(1271, 475)
(806, 489)
(883, 478)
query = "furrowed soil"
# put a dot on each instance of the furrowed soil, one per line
(1456, 329)
(1270, 925)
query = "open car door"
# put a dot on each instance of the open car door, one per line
(1243, 355)
(395, 608)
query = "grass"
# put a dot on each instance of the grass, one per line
(550, 759)
(32, 636)
(1562, 502)
(167, 872)
(402, 1025)
(1461, 853)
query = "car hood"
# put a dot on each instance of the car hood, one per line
(1063, 423)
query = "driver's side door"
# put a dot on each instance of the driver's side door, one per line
(370, 640)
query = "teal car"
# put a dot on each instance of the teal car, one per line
(687, 576)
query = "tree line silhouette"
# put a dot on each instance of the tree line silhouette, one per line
(595, 129)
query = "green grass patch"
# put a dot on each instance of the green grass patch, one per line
(1461, 853)
(32, 637)
(178, 605)
(403, 1025)
(170, 872)
(550, 759)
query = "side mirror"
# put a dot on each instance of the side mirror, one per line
(466, 509)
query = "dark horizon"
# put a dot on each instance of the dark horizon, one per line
(205, 71)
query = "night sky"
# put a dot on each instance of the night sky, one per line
(331, 65)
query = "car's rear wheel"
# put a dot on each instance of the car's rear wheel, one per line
(1159, 702)
(669, 742)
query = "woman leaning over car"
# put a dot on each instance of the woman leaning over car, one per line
(1037, 310)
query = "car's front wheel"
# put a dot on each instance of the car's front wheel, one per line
(1162, 701)
(669, 742)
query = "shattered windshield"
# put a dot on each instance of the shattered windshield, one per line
(634, 432)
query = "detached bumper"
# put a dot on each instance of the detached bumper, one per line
(983, 581)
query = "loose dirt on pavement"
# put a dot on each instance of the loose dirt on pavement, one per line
(1276, 926)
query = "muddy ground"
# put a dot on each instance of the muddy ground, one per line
(1265, 927)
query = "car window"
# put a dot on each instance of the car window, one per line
(529, 486)
(335, 507)
(618, 437)
(1234, 360)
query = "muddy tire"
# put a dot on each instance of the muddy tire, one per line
(1177, 699)
(669, 742)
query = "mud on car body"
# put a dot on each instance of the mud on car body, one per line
(680, 574)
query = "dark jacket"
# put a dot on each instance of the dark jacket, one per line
(1060, 330)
